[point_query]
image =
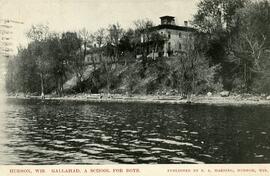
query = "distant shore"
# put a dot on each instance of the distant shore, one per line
(161, 99)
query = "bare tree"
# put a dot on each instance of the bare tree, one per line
(87, 40)
(143, 34)
(142, 24)
(100, 37)
(115, 33)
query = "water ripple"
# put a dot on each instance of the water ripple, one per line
(55, 132)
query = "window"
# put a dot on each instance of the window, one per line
(169, 35)
(180, 46)
(180, 34)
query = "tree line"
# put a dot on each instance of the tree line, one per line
(239, 40)
(231, 51)
(51, 58)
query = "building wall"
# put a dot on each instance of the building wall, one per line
(178, 41)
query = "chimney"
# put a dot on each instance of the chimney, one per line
(186, 23)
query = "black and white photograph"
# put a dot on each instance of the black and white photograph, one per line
(103, 82)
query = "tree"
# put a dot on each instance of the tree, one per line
(110, 52)
(142, 33)
(115, 33)
(87, 40)
(126, 47)
(251, 44)
(215, 18)
(156, 42)
(100, 37)
(38, 34)
(22, 75)
(216, 15)
(142, 24)
(70, 45)
(54, 53)
(192, 70)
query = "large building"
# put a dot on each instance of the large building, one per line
(177, 39)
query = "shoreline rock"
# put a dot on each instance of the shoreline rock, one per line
(224, 93)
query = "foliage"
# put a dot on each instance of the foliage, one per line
(230, 50)
(22, 74)
(238, 40)
(216, 15)
(251, 45)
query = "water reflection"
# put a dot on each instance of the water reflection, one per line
(3, 113)
(54, 132)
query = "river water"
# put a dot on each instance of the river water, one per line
(65, 132)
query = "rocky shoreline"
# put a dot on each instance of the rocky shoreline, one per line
(163, 99)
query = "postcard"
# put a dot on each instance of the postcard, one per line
(134, 87)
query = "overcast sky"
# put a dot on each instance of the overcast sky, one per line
(72, 15)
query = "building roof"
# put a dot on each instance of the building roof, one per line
(171, 17)
(174, 27)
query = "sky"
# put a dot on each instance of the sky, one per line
(72, 15)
